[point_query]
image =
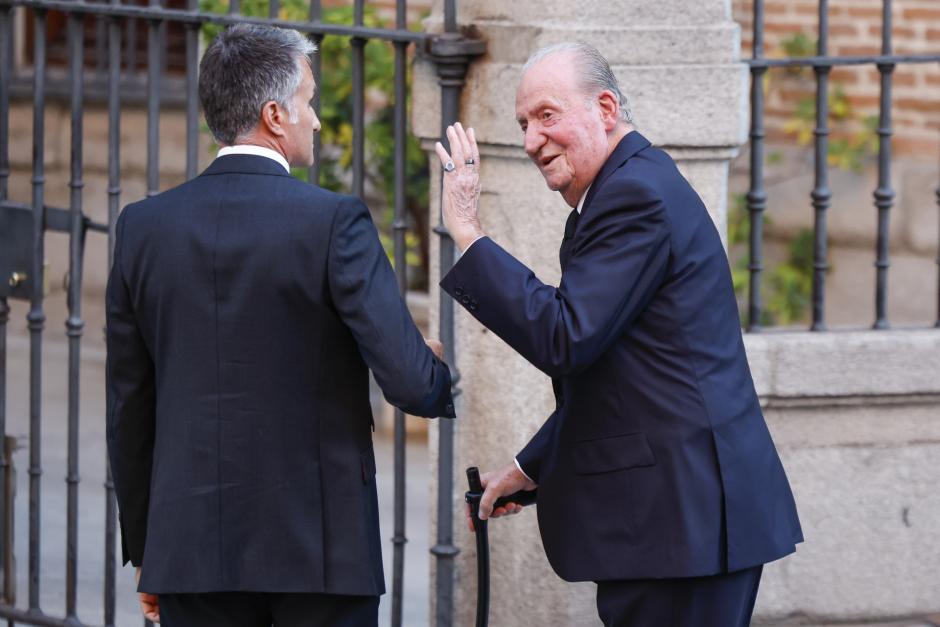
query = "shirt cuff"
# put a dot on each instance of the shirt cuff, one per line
(517, 461)
(478, 238)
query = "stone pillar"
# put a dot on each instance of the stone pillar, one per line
(677, 61)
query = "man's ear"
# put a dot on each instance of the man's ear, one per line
(273, 118)
(609, 107)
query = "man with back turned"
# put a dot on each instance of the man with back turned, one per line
(657, 477)
(245, 309)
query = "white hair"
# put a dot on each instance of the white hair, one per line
(595, 73)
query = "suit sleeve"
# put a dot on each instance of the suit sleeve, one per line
(130, 410)
(365, 292)
(619, 261)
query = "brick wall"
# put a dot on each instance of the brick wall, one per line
(855, 29)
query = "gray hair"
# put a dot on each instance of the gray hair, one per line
(595, 73)
(244, 67)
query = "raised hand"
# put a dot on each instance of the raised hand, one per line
(461, 190)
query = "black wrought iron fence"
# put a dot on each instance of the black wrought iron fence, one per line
(23, 227)
(821, 195)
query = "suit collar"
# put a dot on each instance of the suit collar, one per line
(244, 164)
(629, 145)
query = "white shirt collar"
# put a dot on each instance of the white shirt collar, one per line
(259, 151)
(583, 197)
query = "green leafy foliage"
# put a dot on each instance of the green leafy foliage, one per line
(854, 138)
(335, 93)
(786, 287)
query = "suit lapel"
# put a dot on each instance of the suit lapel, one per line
(631, 144)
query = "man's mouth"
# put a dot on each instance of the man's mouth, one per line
(544, 161)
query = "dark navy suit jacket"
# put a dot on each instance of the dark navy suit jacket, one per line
(244, 311)
(657, 461)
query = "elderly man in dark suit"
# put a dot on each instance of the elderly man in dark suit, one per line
(657, 477)
(245, 309)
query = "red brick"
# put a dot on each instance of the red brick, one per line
(845, 75)
(864, 12)
(905, 79)
(917, 13)
(786, 27)
(917, 104)
(915, 146)
(933, 34)
(843, 30)
(932, 80)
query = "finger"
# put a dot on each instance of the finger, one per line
(486, 503)
(456, 150)
(474, 149)
(441, 152)
(464, 141)
(500, 511)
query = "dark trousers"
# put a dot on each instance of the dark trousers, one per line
(718, 601)
(264, 609)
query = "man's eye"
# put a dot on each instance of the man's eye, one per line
(546, 115)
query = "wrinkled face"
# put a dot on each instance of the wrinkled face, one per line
(565, 135)
(299, 131)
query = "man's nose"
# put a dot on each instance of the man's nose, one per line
(533, 141)
(316, 123)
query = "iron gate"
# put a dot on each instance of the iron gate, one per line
(24, 226)
(821, 196)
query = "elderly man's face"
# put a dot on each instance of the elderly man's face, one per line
(565, 135)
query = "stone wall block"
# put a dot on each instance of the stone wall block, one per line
(810, 365)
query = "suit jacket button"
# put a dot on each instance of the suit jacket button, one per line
(465, 300)
(472, 306)
(458, 291)
(450, 408)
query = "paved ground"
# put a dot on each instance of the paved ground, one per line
(92, 469)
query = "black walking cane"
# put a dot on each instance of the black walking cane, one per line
(473, 496)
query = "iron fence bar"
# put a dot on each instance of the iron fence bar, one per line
(884, 194)
(234, 7)
(827, 61)
(74, 324)
(450, 16)
(101, 44)
(452, 54)
(358, 50)
(7, 547)
(192, 94)
(313, 172)
(36, 316)
(114, 200)
(201, 17)
(756, 196)
(154, 74)
(274, 8)
(399, 226)
(131, 60)
(6, 70)
(821, 195)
